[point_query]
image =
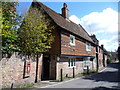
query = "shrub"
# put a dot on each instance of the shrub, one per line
(93, 71)
(109, 61)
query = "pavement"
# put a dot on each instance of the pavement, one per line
(109, 78)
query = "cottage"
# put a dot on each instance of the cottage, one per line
(101, 54)
(72, 47)
(73, 50)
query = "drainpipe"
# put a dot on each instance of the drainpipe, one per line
(97, 57)
(36, 77)
(103, 55)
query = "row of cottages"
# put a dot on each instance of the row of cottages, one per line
(72, 46)
(101, 54)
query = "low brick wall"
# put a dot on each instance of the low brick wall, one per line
(68, 71)
(13, 71)
(0, 75)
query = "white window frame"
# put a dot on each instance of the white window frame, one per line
(88, 46)
(72, 62)
(73, 37)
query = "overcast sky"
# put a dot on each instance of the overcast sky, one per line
(99, 18)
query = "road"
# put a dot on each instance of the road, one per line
(109, 78)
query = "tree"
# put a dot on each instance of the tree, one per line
(35, 34)
(9, 29)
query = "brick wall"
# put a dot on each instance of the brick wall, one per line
(13, 69)
(53, 67)
(54, 52)
(55, 49)
(0, 74)
(68, 71)
(78, 49)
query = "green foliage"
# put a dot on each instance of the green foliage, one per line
(31, 85)
(110, 61)
(84, 73)
(8, 27)
(93, 71)
(1, 20)
(28, 85)
(35, 34)
(78, 75)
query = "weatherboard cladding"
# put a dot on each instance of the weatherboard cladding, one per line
(66, 24)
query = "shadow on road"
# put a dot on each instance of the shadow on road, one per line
(114, 65)
(103, 88)
(107, 75)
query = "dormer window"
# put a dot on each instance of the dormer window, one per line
(72, 40)
(88, 46)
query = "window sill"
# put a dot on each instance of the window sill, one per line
(88, 50)
(86, 67)
(72, 44)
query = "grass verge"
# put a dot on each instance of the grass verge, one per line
(28, 85)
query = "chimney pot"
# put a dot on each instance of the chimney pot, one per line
(64, 5)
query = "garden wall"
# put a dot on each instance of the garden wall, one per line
(14, 70)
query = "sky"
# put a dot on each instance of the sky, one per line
(99, 18)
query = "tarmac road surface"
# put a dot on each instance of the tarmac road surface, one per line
(108, 78)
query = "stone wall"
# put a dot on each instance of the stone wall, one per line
(13, 71)
(68, 71)
(0, 75)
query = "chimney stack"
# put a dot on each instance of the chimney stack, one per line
(102, 46)
(65, 11)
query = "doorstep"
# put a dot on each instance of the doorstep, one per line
(45, 83)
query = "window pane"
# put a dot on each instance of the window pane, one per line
(88, 46)
(74, 62)
(69, 63)
(72, 39)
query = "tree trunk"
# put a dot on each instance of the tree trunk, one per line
(36, 77)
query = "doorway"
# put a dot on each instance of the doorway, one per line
(46, 67)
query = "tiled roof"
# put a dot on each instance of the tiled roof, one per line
(64, 23)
